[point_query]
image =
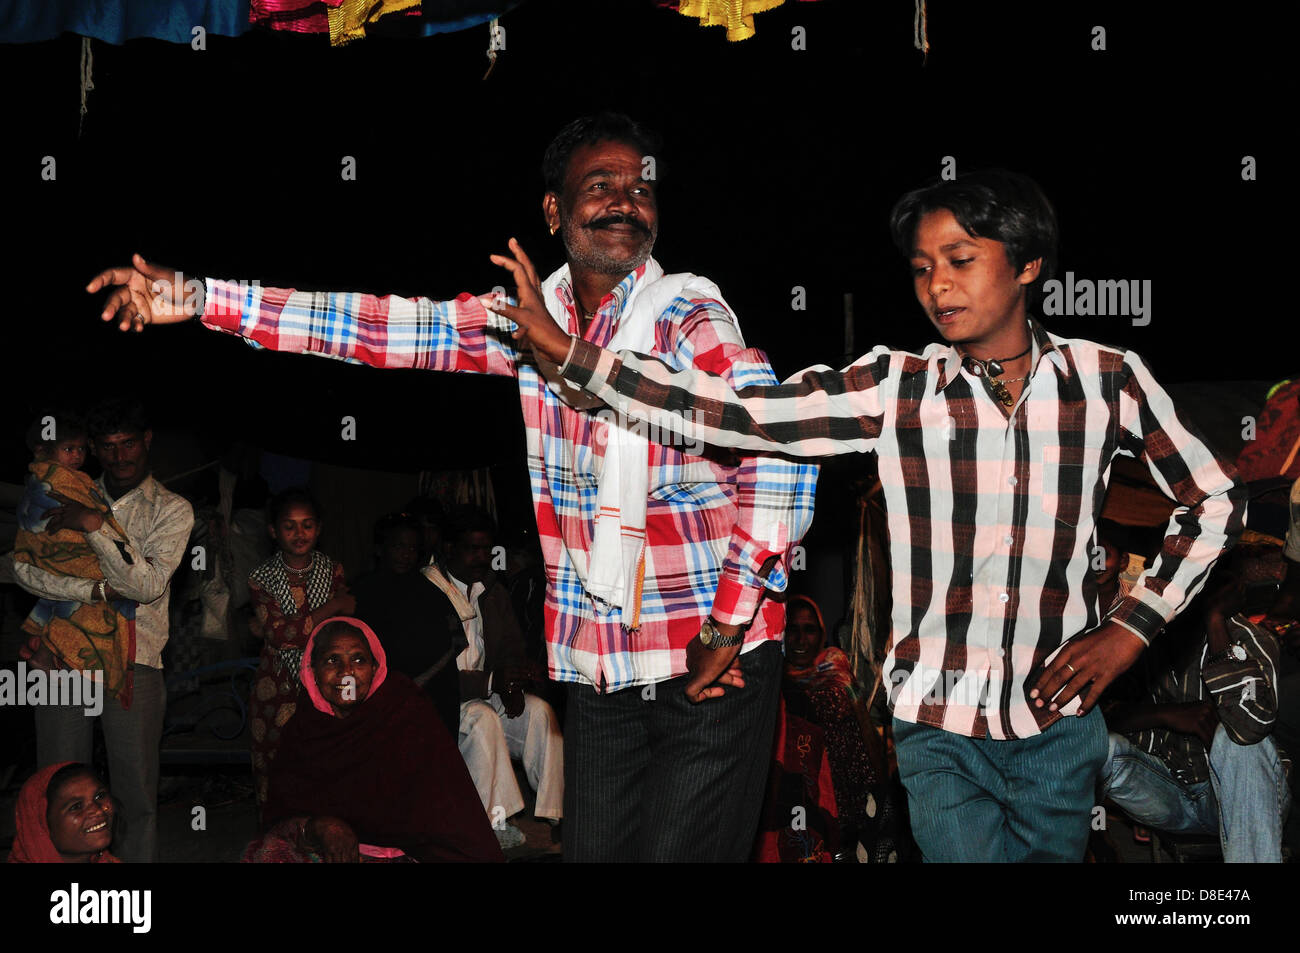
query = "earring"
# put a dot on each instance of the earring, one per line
(554, 229)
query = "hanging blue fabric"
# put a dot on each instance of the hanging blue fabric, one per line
(24, 21)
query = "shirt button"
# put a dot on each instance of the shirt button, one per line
(1011, 481)
(1008, 540)
(1003, 597)
(1002, 653)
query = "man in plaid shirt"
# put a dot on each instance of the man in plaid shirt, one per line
(668, 637)
(994, 452)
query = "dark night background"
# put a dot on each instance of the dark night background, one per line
(782, 166)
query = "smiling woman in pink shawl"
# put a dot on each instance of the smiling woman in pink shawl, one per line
(368, 772)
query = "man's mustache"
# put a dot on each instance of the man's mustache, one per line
(609, 220)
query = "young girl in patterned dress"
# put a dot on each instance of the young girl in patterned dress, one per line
(290, 592)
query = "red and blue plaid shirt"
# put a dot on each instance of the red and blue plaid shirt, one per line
(712, 522)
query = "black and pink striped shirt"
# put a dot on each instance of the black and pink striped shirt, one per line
(991, 518)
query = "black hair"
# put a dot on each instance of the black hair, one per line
(66, 426)
(469, 519)
(293, 496)
(389, 524)
(118, 415)
(325, 638)
(66, 774)
(991, 203)
(425, 509)
(589, 130)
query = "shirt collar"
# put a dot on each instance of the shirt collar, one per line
(611, 305)
(1041, 342)
(145, 487)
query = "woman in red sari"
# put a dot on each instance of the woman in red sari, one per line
(820, 687)
(367, 771)
(64, 815)
(290, 592)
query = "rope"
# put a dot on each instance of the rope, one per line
(919, 38)
(87, 82)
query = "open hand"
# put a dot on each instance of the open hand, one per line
(536, 326)
(144, 293)
(1086, 666)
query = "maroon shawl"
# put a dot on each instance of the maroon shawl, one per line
(389, 769)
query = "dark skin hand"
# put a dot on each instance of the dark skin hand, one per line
(712, 671)
(1193, 718)
(333, 839)
(144, 293)
(72, 515)
(513, 701)
(1086, 666)
(537, 329)
(1199, 718)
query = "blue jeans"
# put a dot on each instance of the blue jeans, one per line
(1245, 801)
(989, 801)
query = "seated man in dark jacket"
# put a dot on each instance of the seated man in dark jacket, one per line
(417, 624)
(1197, 755)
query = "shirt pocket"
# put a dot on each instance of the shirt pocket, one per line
(1069, 478)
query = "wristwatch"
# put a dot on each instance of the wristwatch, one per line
(1236, 652)
(712, 638)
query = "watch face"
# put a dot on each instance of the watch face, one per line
(706, 634)
(1238, 652)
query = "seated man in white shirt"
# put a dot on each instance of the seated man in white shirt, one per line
(498, 719)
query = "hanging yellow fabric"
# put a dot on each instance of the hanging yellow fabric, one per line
(736, 15)
(348, 20)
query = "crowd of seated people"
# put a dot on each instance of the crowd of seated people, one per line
(386, 717)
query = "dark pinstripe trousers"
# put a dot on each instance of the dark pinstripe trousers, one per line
(649, 776)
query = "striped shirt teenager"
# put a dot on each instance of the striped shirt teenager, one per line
(645, 559)
(994, 451)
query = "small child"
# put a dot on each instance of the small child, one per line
(87, 637)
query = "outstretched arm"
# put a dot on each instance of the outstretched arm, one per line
(388, 331)
(818, 412)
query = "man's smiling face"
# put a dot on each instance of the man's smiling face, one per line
(607, 211)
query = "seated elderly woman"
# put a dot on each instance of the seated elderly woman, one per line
(821, 709)
(367, 772)
(64, 815)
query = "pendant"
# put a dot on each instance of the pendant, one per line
(994, 369)
(1000, 392)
